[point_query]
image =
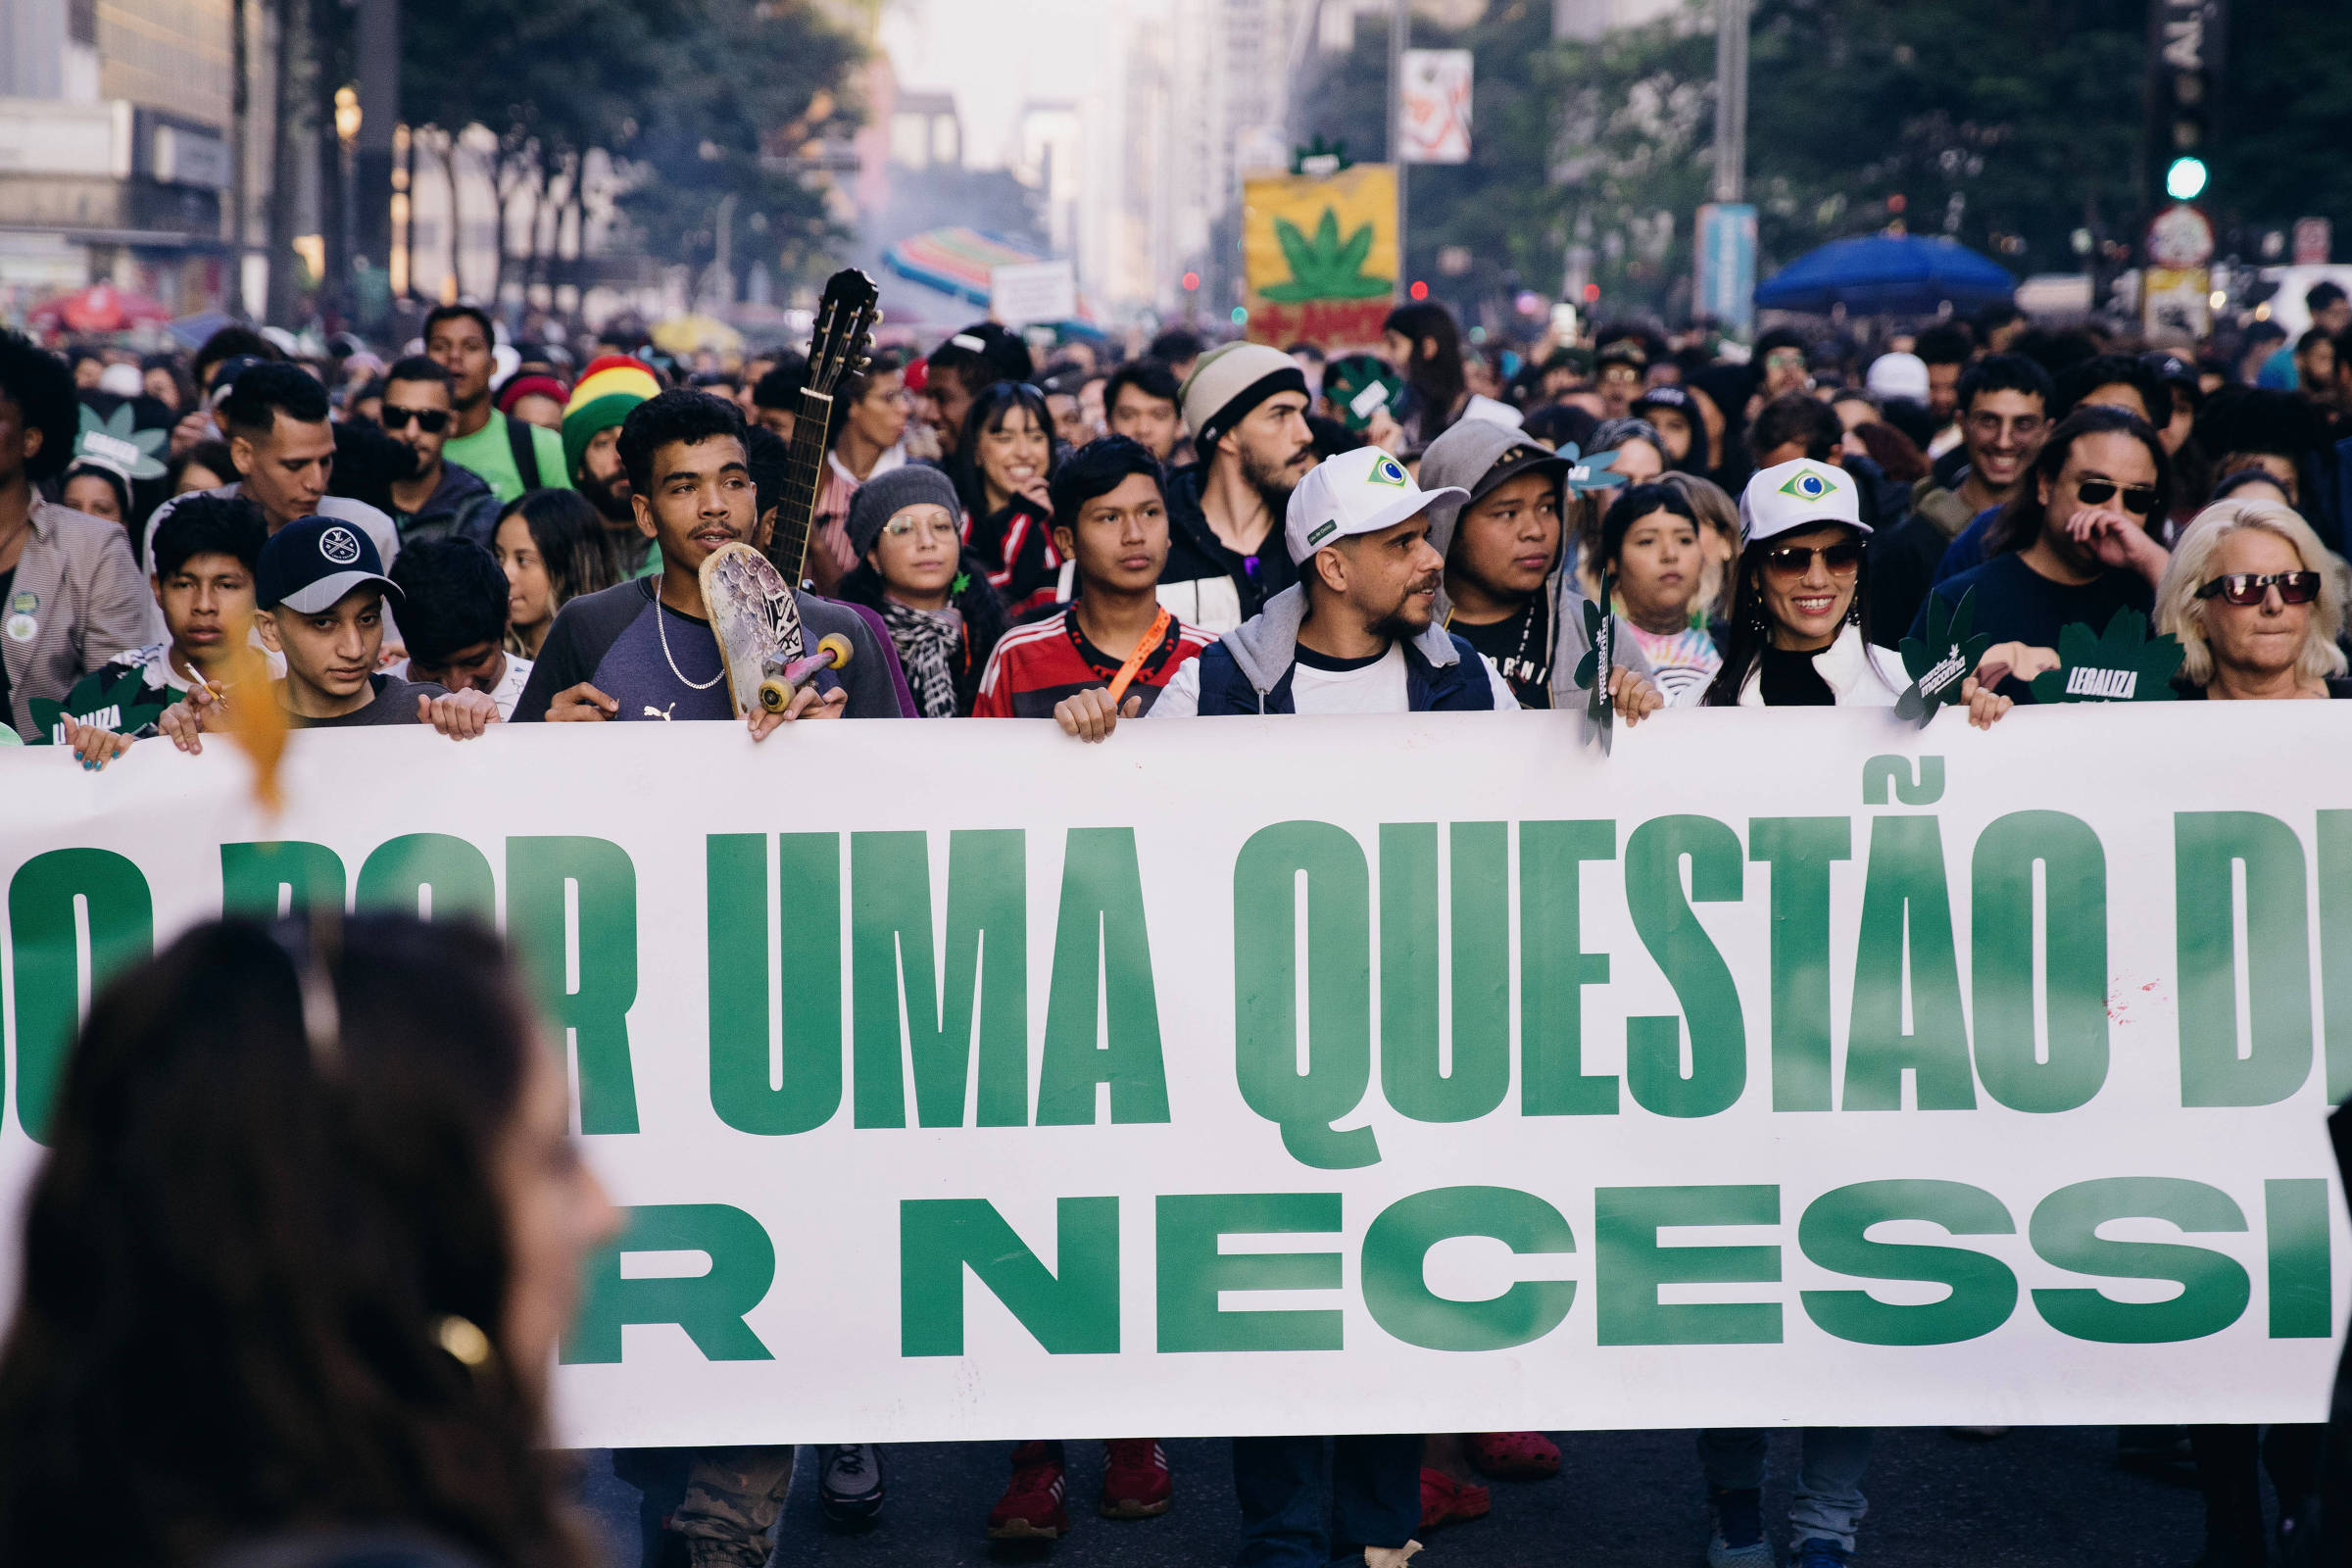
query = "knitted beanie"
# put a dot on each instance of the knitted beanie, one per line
(1229, 382)
(884, 496)
(607, 390)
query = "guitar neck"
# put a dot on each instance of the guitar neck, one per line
(804, 478)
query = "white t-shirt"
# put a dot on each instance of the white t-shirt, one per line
(509, 688)
(1370, 686)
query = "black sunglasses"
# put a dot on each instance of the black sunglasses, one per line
(2244, 588)
(2139, 499)
(1794, 560)
(432, 421)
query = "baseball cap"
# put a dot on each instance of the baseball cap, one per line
(1472, 458)
(1898, 375)
(1357, 492)
(312, 563)
(1795, 494)
(1666, 395)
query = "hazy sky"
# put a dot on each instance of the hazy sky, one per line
(993, 55)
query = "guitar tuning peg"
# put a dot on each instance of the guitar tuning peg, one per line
(878, 317)
(865, 361)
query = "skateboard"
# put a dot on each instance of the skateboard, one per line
(758, 624)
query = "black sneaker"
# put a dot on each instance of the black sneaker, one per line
(849, 1483)
(1738, 1539)
(1820, 1553)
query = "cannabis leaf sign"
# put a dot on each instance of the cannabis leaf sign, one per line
(1594, 670)
(1324, 269)
(114, 444)
(1596, 472)
(2121, 665)
(126, 707)
(1940, 662)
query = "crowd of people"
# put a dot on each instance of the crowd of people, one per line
(472, 534)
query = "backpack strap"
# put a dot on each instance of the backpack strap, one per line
(524, 445)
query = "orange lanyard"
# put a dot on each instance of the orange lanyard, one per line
(1134, 661)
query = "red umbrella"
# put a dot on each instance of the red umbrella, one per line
(100, 307)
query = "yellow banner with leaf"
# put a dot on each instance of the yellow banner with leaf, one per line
(1321, 256)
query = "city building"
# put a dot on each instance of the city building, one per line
(115, 149)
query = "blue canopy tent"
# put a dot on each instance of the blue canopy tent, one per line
(1886, 275)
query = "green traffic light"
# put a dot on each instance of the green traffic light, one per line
(2184, 181)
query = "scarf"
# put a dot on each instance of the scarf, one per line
(928, 642)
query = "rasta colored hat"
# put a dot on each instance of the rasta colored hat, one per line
(610, 386)
(884, 497)
(1229, 382)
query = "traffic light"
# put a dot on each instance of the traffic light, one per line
(2186, 65)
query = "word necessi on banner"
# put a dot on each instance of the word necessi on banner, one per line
(1940, 1038)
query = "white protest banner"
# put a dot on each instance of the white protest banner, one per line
(1436, 107)
(1783, 1067)
(1024, 292)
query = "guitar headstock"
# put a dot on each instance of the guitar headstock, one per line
(845, 319)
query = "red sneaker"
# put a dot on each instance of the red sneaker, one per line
(1031, 1508)
(1512, 1455)
(1135, 1479)
(1447, 1501)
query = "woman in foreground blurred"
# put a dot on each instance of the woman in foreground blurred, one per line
(310, 1227)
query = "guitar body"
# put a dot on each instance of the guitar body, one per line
(755, 617)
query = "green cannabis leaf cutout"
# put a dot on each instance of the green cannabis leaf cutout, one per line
(112, 443)
(1324, 269)
(1596, 472)
(1940, 662)
(1593, 672)
(2121, 665)
(126, 707)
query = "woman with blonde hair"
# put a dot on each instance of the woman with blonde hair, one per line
(2257, 603)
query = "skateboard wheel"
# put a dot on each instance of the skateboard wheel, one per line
(775, 696)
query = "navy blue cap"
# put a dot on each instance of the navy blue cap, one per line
(312, 563)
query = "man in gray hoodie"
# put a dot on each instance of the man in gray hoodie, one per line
(1505, 592)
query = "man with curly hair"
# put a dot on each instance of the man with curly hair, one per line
(70, 594)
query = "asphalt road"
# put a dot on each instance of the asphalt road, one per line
(2039, 1497)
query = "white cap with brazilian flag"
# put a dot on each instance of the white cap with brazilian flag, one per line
(1357, 492)
(1799, 494)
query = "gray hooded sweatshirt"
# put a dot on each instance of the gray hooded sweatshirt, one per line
(1463, 456)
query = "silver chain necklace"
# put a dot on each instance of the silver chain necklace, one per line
(661, 630)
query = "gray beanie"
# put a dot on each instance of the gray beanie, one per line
(884, 496)
(1229, 382)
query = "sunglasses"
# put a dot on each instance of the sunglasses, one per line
(432, 421)
(1794, 560)
(2139, 499)
(2246, 588)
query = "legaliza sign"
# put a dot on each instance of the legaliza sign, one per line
(1414, 1074)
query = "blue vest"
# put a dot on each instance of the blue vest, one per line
(1459, 687)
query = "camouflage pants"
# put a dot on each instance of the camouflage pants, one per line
(732, 1498)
